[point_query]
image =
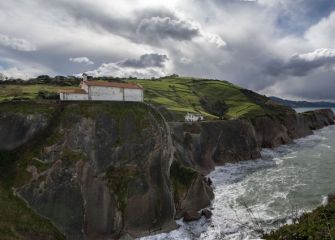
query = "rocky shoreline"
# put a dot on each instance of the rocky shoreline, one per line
(100, 173)
(204, 145)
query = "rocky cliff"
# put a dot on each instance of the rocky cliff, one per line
(204, 145)
(97, 171)
(110, 170)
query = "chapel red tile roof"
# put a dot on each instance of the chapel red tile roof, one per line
(73, 90)
(113, 84)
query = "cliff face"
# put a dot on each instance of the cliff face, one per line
(17, 129)
(203, 145)
(102, 170)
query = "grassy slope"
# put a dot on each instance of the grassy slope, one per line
(179, 95)
(29, 91)
(317, 225)
(183, 95)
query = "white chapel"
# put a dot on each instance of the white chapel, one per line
(103, 91)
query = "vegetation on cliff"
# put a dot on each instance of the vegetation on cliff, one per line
(317, 225)
(118, 182)
(181, 179)
(18, 220)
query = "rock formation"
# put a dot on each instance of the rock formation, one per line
(103, 170)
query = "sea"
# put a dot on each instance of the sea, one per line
(255, 197)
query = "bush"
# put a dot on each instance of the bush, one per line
(47, 95)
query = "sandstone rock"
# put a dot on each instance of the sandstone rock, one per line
(17, 128)
(206, 213)
(270, 132)
(196, 197)
(112, 172)
(190, 216)
(204, 145)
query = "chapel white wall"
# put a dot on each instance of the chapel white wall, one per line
(73, 97)
(133, 95)
(105, 93)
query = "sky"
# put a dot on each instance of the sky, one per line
(283, 48)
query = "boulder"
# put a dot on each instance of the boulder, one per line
(206, 213)
(190, 216)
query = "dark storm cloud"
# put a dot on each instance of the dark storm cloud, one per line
(158, 28)
(302, 64)
(146, 66)
(156, 22)
(148, 26)
(146, 60)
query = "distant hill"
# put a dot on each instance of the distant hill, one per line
(300, 104)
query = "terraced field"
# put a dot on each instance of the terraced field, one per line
(181, 95)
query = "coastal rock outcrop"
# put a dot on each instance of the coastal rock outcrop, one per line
(204, 145)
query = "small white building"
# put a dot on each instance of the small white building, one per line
(190, 117)
(103, 91)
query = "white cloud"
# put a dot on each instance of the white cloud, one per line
(215, 39)
(322, 54)
(185, 60)
(25, 72)
(85, 60)
(113, 69)
(302, 64)
(19, 44)
(322, 34)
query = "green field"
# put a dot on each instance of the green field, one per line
(29, 91)
(178, 95)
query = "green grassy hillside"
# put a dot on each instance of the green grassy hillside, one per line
(28, 91)
(212, 98)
